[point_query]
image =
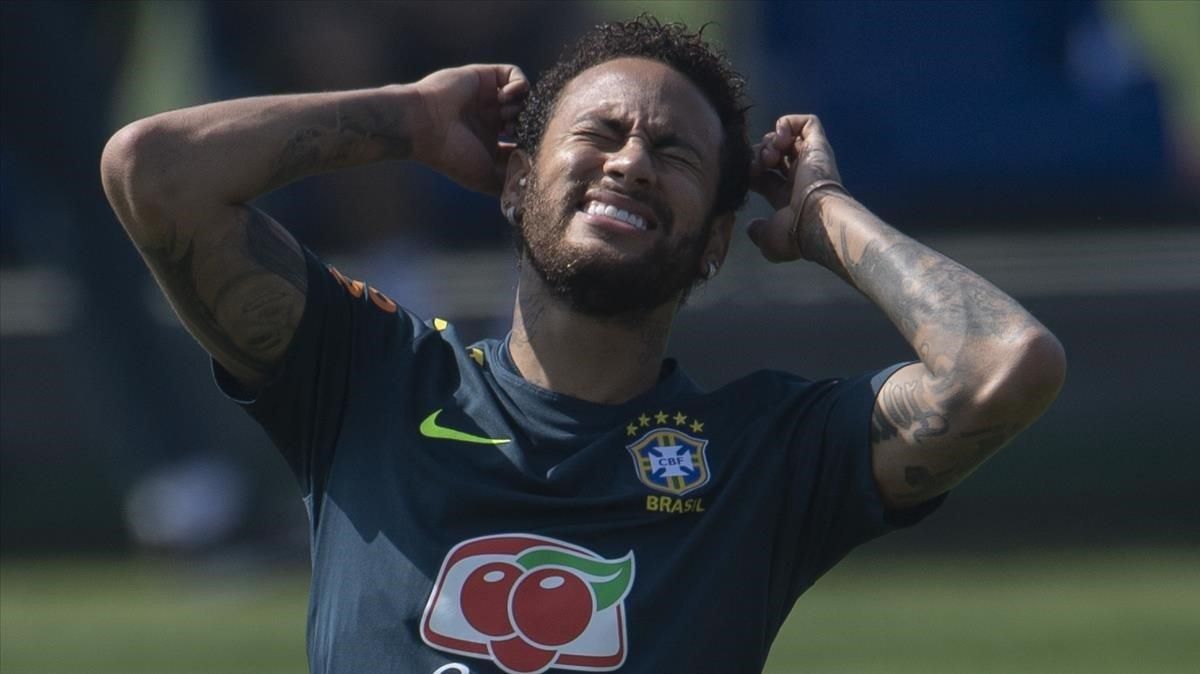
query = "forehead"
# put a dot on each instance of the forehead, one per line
(641, 92)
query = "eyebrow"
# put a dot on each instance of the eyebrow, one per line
(664, 140)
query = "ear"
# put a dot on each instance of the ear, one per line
(518, 170)
(719, 238)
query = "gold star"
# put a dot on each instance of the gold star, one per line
(680, 418)
(630, 430)
(644, 420)
(697, 426)
(661, 417)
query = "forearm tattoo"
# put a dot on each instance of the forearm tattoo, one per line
(924, 292)
(957, 323)
(359, 132)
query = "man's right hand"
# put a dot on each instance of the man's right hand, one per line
(468, 108)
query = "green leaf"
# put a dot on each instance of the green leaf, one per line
(610, 579)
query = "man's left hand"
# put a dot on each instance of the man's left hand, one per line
(787, 161)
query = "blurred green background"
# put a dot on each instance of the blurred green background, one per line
(1095, 612)
(146, 525)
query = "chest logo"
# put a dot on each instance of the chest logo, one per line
(529, 603)
(668, 459)
(431, 429)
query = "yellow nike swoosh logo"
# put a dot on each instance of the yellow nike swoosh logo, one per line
(431, 429)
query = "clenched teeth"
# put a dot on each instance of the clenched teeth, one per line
(598, 208)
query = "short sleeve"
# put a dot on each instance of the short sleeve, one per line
(302, 408)
(834, 503)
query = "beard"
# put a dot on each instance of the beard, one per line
(600, 283)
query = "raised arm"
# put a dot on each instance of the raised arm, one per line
(987, 367)
(180, 183)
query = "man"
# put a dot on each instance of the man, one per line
(565, 499)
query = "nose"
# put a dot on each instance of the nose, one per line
(631, 163)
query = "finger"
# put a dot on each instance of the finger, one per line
(793, 124)
(772, 236)
(773, 186)
(806, 128)
(513, 93)
(763, 183)
(782, 137)
(770, 157)
(514, 85)
(754, 229)
(781, 127)
(510, 111)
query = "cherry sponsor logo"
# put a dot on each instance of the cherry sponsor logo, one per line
(529, 603)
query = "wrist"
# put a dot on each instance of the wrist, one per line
(826, 201)
(811, 212)
(408, 122)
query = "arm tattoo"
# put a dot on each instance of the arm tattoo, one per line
(242, 300)
(986, 440)
(365, 131)
(271, 253)
(962, 327)
(919, 288)
(903, 408)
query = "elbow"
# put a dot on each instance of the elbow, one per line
(1043, 366)
(130, 176)
(1029, 379)
(125, 161)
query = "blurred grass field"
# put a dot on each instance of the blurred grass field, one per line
(1113, 611)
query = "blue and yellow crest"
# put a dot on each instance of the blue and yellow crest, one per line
(669, 460)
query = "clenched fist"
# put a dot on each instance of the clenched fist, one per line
(790, 167)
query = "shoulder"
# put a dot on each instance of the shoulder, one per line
(766, 387)
(777, 394)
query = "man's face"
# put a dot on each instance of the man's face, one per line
(618, 203)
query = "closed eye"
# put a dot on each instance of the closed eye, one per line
(598, 138)
(681, 158)
(677, 156)
(598, 134)
(677, 149)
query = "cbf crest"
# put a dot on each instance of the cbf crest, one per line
(668, 458)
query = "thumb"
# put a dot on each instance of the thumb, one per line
(773, 236)
(754, 228)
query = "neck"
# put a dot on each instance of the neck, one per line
(595, 359)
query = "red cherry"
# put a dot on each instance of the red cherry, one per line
(519, 655)
(484, 597)
(552, 606)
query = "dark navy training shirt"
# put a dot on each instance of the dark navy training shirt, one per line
(466, 520)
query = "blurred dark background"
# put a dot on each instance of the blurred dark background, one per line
(1052, 146)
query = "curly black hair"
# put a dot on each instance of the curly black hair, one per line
(673, 45)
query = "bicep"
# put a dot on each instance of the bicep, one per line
(925, 439)
(238, 281)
